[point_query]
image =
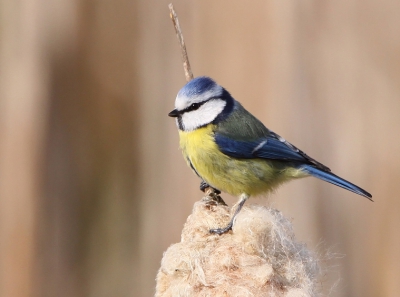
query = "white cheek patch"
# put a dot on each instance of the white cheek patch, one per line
(204, 115)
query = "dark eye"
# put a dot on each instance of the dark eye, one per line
(194, 106)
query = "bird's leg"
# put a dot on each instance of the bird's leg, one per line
(204, 186)
(220, 231)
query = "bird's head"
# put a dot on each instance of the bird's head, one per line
(201, 102)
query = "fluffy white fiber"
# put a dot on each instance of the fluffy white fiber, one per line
(259, 257)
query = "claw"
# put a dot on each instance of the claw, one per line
(220, 231)
(204, 186)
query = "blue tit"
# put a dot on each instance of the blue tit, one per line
(233, 152)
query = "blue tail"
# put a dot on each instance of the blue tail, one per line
(334, 179)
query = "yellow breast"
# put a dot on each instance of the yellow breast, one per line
(231, 175)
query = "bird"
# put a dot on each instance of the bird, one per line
(233, 152)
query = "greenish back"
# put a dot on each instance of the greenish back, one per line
(242, 125)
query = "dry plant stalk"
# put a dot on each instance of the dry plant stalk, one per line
(179, 35)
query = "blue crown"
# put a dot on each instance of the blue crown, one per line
(197, 86)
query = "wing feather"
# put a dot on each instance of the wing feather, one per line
(249, 139)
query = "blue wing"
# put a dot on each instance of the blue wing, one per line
(274, 147)
(242, 136)
(271, 147)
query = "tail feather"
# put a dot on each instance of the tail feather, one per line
(336, 180)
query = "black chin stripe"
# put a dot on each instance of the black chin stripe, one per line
(180, 124)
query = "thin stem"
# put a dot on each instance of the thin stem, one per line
(178, 31)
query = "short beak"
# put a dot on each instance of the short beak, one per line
(174, 113)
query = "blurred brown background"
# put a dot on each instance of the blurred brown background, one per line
(93, 187)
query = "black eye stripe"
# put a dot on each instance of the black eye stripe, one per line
(197, 105)
(194, 106)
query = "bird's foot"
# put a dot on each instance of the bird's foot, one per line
(239, 206)
(220, 231)
(204, 186)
